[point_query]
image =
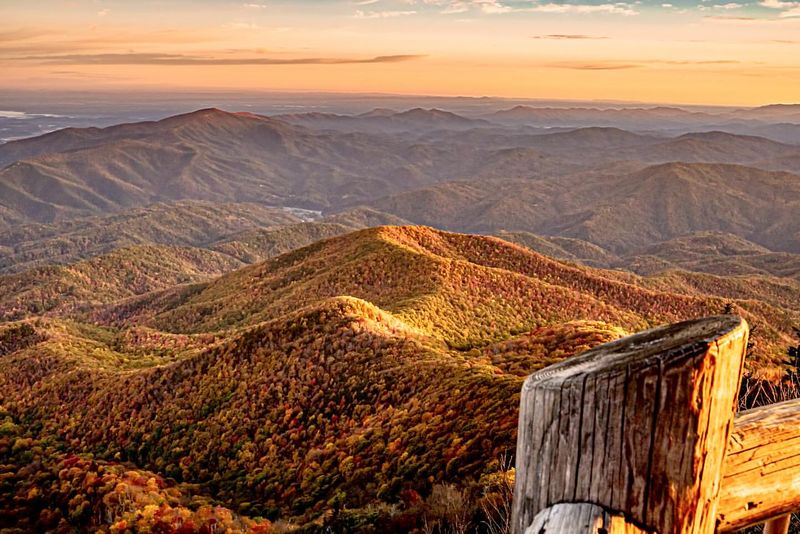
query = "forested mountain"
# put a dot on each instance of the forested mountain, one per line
(231, 321)
(186, 223)
(619, 212)
(212, 155)
(358, 354)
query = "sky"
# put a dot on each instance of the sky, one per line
(685, 51)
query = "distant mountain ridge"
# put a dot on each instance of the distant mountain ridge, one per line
(213, 156)
(386, 121)
(620, 213)
(577, 183)
(233, 321)
(206, 155)
(217, 156)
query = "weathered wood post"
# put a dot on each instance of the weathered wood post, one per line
(779, 525)
(761, 477)
(630, 436)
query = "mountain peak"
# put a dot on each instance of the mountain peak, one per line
(379, 112)
(210, 115)
(207, 112)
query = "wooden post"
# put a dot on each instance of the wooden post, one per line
(779, 525)
(639, 426)
(761, 477)
(580, 517)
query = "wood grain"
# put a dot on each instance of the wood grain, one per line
(761, 476)
(583, 518)
(639, 426)
(779, 525)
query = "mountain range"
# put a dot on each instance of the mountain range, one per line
(357, 354)
(319, 321)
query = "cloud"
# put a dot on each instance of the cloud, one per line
(84, 75)
(594, 66)
(103, 12)
(254, 6)
(238, 25)
(21, 35)
(18, 43)
(492, 6)
(382, 14)
(790, 9)
(778, 4)
(694, 62)
(728, 17)
(508, 6)
(186, 60)
(614, 9)
(567, 36)
(454, 7)
(636, 64)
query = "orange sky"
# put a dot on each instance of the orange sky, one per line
(690, 52)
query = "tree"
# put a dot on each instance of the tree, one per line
(794, 351)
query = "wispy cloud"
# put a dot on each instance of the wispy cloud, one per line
(732, 18)
(454, 7)
(240, 25)
(594, 66)
(636, 64)
(581, 9)
(359, 14)
(694, 62)
(181, 60)
(21, 35)
(567, 36)
(500, 7)
(788, 9)
(27, 43)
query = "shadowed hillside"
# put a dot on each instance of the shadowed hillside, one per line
(187, 223)
(620, 213)
(207, 155)
(125, 272)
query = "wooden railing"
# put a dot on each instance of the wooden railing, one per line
(641, 435)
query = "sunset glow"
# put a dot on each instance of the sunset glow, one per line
(688, 52)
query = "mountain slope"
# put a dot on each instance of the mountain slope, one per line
(344, 375)
(714, 253)
(563, 248)
(441, 285)
(620, 213)
(205, 155)
(718, 147)
(217, 156)
(644, 118)
(385, 121)
(258, 245)
(186, 223)
(365, 397)
(123, 273)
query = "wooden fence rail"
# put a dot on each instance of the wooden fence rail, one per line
(640, 435)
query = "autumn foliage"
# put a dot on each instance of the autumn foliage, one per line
(368, 382)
